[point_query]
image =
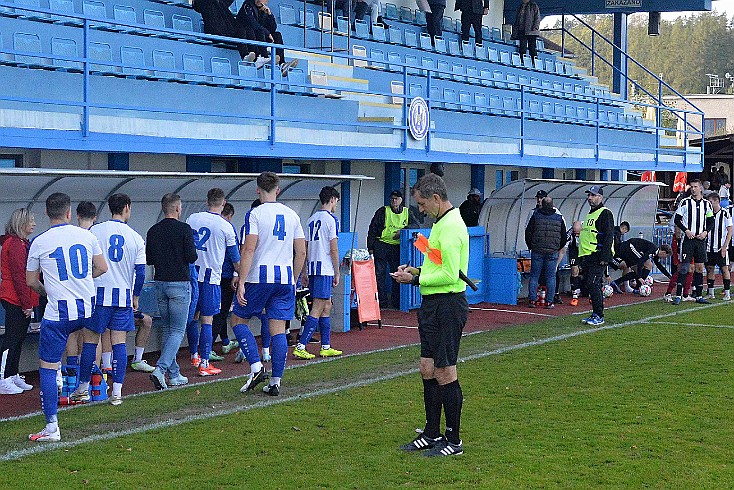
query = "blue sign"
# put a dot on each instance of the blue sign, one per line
(419, 119)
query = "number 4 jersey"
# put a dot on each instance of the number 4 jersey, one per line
(276, 226)
(63, 253)
(123, 249)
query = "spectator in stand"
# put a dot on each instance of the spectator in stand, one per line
(247, 18)
(219, 21)
(17, 298)
(373, 6)
(383, 242)
(471, 16)
(545, 236)
(526, 28)
(434, 21)
(471, 208)
(724, 194)
(266, 19)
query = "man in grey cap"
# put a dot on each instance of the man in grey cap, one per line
(471, 208)
(596, 249)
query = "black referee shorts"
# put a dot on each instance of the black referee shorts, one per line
(693, 248)
(441, 319)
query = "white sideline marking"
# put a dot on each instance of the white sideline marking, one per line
(44, 447)
(690, 324)
(520, 312)
(394, 326)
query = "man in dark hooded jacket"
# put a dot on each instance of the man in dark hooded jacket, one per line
(526, 28)
(471, 15)
(219, 21)
(545, 236)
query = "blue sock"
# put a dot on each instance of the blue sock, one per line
(247, 341)
(325, 329)
(309, 327)
(72, 360)
(205, 341)
(49, 393)
(119, 362)
(264, 331)
(225, 340)
(192, 334)
(89, 354)
(280, 353)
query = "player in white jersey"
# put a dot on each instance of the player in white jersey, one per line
(321, 273)
(215, 239)
(273, 250)
(118, 291)
(69, 258)
(718, 248)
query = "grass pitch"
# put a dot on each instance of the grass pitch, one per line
(643, 404)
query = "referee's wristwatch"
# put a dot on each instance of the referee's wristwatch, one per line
(416, 280)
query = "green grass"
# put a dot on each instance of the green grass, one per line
(645, 405)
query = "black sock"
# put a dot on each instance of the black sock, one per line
(727, 284)
(432, 402)
(681, 281)
(452, 399)
(698, 283)
(710, 284)
(574, 283)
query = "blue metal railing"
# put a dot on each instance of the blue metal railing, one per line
(520, 110)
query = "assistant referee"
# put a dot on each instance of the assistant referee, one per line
(441, 317)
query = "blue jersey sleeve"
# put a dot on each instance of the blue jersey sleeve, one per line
(139, 279)
(233, 253)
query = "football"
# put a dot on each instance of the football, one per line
(649, 281)
(607, 291)
(645, 290)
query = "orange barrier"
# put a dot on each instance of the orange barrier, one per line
(364, 288)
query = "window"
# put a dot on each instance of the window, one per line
(714, 126)
(11, 161)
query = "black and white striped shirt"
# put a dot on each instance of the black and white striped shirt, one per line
(717, 237)
(694, 213)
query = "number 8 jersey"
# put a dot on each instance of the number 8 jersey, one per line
(123, 249)
(64, 254)
(276, 226)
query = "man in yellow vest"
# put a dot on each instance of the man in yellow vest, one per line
(596, 249)
(383, 242)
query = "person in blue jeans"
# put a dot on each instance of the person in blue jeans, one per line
(170, 250)
(545, 236)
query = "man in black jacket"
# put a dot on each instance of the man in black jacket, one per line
(266, 19)
(545, 236)
(219, 21)
(526, 28)
(471, 16)
(434, 18)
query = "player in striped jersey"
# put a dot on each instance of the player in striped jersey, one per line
(636, 257)
(321, 274)
(69, 258)
(695, 218)
(718, 247)
(215, 239)
(273, 251)
(117, 292)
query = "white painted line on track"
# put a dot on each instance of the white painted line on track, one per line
(511, 311)
(41, 448)
(395, 326)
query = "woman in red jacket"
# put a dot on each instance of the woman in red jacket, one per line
(17, 298)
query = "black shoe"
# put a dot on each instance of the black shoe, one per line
(557, 300)
(272, 390)
(314, 340)
(445, 448)
(421, 442)
(254, 380)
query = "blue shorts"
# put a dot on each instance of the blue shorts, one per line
(114, 318)
(54, 335)
(278, 300)
(206, 299)
(320, 286)
(194, 299)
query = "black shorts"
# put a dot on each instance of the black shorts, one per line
(441, 319)
(715, 259)
(573, 256)
(693, 248)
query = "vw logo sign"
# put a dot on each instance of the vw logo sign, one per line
(419, 119)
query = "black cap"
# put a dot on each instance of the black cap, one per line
(540, 194)
(396, 193)
(595, 190)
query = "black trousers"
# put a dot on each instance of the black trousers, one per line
(16, 330)
(469, 19)
(594, 276)
(528, 43)
(387, 259)
(278, 38)
(434, 20)
(219, 322)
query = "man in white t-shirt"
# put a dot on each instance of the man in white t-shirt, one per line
(118, 291)
(69, 258)
(321, 274)
(273, 251)
(214, 238)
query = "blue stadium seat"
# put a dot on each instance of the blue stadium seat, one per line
(416, 90)
(342, 25)
(435, 97)
(429, 64)
(248, 74)
(505, 58)
(394, 57)
(550, 66)
(297, 81)
(467, 49)
(126, 14)
(420, 17)
(496, 34)
(193, 64)
(407, 15)
(425, 42)
(440, 44)
(156, 20)
(560, 69)
(493, 55)
(29, 43)
(527, 62)
(472, 74)
(547, 110)
(449, 99)
(396, 34)
(362, 29)
(65, 48)
(547, 86)
(512, 81)
(378, 33)
(287, 15)
(95, 9)
(66, 7)
(509, 105)
(411, 38)
(454, 49)
(274, 76)
(480, 102)
(413, 61)
(515, 59)
(581, 115)
(28, 14)
(533, 109)
(466, 102)
(448, 24)
(444, 69)
(133, 61)
(486, 33)
(182, 23)
(457, 26)
(221, 71)
(378, 57)
(540, 44)
(495, 104)
(102, 52)
(481, 52)
(485, 77)
(500, 78)
(310, 21)
(391, 11)
(523, 80)
(164, 64)
(535, 84)
(458, 72)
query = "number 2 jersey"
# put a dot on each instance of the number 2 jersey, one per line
(124, 250)
(212, 236)
(276, 226)
(322, 228)
(63, 253)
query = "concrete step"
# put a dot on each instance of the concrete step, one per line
(379, 99)
(380, 110)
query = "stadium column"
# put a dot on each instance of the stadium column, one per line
(619, 80)
(477, 177)
(392, 179)
(118, 161)
(346, 196)
(604, 174)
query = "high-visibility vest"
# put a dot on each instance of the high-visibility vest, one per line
(588, 239)
(393, 223)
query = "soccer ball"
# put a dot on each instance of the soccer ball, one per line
(645, 290)
(607, 291)
(649, 281)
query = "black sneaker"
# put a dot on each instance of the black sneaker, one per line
(445, 448)
(420, 443)
(272, 390)
(254, 380)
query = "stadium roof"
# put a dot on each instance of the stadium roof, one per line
(558, 7)
(718, 149)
